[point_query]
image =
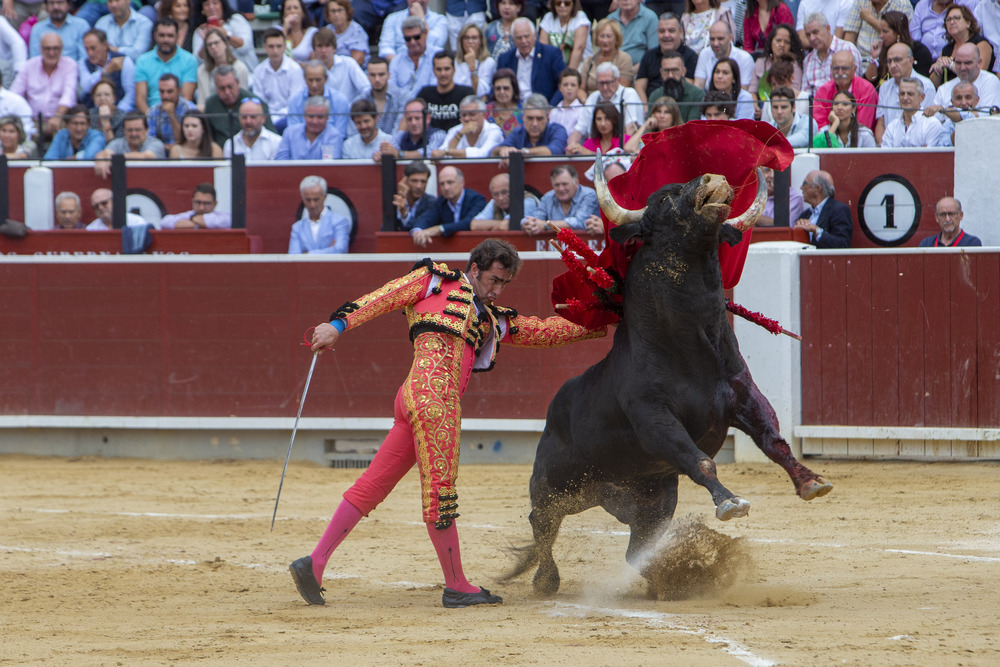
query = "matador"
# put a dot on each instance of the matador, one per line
(456, 329)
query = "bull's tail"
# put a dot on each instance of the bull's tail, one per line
(525, 557)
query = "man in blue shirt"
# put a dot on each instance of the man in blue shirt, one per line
(567, 204)
(165, 117)
(316, 86)
(414, 69)
(76, 141)
(69, 28)
(320, 230)
(314, 139)
(948, 214)
(127, 31)
(537, 136)
(166, 57)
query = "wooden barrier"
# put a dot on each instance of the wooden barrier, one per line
(165, 242)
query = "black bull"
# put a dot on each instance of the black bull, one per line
(662, 400)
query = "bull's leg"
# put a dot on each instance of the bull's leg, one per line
(545, 525)
(756, 418)
(647, 510)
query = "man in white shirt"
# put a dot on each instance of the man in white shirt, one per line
(254, 141)
(966, 62)
(278, 78)
(610, 90)
(900, 63)
(368, 139)
(987, 12)
(473, 136)
(913, 129)
(202, 214)
(720, 46)
(344, 74)
(102, 203)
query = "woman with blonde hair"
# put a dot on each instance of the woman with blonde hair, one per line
(663, 113)
(474, 66)
(215, 52)
(12, 136)
(567, 27)
(608, 38)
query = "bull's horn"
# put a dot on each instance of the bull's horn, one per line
(615, 212)
(749, 217)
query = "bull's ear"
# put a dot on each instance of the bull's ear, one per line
(729, 234)
(630, 231)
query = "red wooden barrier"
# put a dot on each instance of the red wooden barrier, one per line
(165, 242)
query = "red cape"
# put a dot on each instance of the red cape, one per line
(734, 149)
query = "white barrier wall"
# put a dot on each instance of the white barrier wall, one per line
(977, 145)
(770, 286)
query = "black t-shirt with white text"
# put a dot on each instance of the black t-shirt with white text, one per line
(444, 108)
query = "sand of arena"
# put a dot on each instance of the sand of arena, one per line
(139, 562)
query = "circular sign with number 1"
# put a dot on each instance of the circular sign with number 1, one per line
(889, 210)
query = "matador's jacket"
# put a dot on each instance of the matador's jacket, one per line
(452, 338)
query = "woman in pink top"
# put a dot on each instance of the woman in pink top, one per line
(605, 131)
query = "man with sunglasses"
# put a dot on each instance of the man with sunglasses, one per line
(415, 69)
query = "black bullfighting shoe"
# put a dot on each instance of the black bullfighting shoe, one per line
(452, 599)
(305, 580)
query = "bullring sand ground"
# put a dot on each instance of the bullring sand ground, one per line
(136, 562)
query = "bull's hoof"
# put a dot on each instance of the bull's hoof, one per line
(815, 488)
(546, 584)
(734, 507)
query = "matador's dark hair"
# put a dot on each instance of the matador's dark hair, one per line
(495, 250)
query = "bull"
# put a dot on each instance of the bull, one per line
(662, 400)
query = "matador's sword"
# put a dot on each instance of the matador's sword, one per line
(295, 429)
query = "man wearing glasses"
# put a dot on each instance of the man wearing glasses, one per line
(473, 136)
(101, 202)
(413, 70)
(828, 221)
(845, 79)
(609, 90)
(899, 59)
(948, 214)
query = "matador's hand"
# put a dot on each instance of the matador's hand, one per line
(324, 335)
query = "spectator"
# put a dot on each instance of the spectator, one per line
(913, 129)
(663, 114)
(900, 63)
(101, 200)
(927, 25)
(828, 221)
(835, 13)
(608, 91)
(567, 111)
(670, 36)
(567, 28)
(607, 42)
(253, 140)
(794, 126)
(499, 36)
(135, 145)
(319, 230)
(369, 138)
(316, 77)
(762, 16)
(719, 48)
(344, 74)
(419, 138)
(298, 28)
(68, 211)
(351, 38)
(537, 65)
(462, 13)
(967, 65)
(537, 136)
(987, 13)
(411, 199)
(964, 103)
(816, 65)
(567, 204)
(861, 26)
(795, 202)
(504, 107)
(12, 104)
(214, 53)
(948, 213)
(277, 78)
(69, 28)
(845, 77)
(165, 118)
(180, 12)
(496, 215)
(223, 107)
(638, 24)
(726, 78)
(604, 133)
(202, 215)
(453, 210)
(474, 67)
(393, 41)
(698, 18)
(389, 101)
(13, 49)
(961, 28)
(103, 63)
(717, 105)
(13, 138)
(473, 136)
(413, 70)
(105, 115)
(19, 11)
(444, 98)
(165, 58)
(676, 87)
(894, 29)
(196, 139)
(844, 130)
(315, 139)
(128, 31)
(780, 41)
(218, 12)
(76, 141)
(48, 84)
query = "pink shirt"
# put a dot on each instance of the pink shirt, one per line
(863, 92)
(46, 93)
